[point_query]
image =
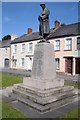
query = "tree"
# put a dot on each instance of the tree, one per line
(7, 37)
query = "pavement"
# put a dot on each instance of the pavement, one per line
(32, 113)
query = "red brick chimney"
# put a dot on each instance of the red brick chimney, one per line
(29, 30)
(62, 24)
(56, 23)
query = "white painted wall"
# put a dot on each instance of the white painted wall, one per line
(19, 54)
(5, 55)
(76, 52)
(0, 57)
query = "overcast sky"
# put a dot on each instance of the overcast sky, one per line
(18, 16)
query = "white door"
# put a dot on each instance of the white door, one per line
(29, 63)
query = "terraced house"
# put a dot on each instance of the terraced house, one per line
(66, 41)
(5, 52)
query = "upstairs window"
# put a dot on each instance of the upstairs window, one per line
(23, 47)
(68, 44)
(30, 47)
(15, 48)
(57, 45)
(78, 43)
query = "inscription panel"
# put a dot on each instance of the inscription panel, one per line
(38, 62)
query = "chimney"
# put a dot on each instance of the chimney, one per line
(29, 30)
(62, 24)
(56, 24)
(13, 36)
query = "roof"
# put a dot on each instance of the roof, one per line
(29, 37)
(66, 30)
(61, 31)
(6, 43)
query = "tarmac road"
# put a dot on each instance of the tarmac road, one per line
(25, 73)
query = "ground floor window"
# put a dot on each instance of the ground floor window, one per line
(57, 63)
(6, 62)
(22, 62)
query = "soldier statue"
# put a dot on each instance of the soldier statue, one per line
(44, 29)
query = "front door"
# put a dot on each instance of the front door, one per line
(68, 65)
(78, 66)
(29, 63)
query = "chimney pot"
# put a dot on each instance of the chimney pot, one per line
(62, 24)
(56, 24)
(13, 36)
(29, 30)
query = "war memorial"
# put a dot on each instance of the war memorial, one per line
(43, 91)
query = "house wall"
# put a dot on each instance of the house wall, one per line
(64, 53)
(0, 57)
(5, 55)
(19, 55)
(76, 52)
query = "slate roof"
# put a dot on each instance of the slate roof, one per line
(66, 30)
(6, 43)
(61, 31)
(27, 38)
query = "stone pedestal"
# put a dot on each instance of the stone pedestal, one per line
(43, 91)
(43, 71)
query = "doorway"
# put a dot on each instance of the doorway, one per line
(77, 65)
(6, 62)
(68, 65)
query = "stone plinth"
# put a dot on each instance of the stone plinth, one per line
(43, 91)
(44, 62)
(43, 71)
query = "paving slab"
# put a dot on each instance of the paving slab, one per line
(7, 99)
(32, 113)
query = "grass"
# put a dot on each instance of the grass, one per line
(0, 110)
(9, 80)
(9, 112)
(75, 86)
(74, 114)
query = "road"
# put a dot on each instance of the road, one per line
(24, 73)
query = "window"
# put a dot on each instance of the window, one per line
(68, 44)
(22, 62)
(5, 50)
(23, 47)
(30, 47)
(57, 63)
(78, 43)
(15, 48)
(57, 45)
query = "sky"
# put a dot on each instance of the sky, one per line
(17, 17)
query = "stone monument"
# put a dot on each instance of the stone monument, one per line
(43, 90)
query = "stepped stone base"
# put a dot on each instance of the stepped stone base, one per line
(45, 100)
(43, 91)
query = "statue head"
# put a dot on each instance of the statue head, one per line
(43, 5)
